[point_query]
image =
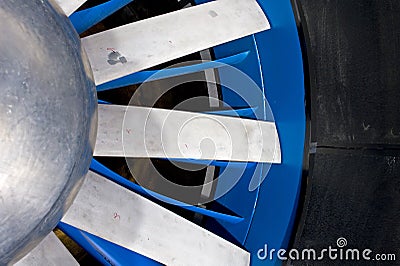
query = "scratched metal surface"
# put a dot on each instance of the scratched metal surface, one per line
(160, 40)
(69, 6)
(98, 210)
(233, 139)
(48, 122)
(49, 252)
(137, 10)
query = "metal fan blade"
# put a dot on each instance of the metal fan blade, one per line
(143, 44)
(138, 132)
(116, 214)
(70, 6)
(49, 252)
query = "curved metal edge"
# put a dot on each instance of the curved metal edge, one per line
(281, 60)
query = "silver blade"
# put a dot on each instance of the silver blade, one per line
(116, 214)
(140, 45)
(49, 252)
(138, 132)
(70, 6)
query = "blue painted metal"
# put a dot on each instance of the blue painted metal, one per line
(240, 200)
(242, 112)
(78, 237)
(104, 251)
(273, 61)
(151, 75)
(282, 66)
(245, 206)
(236, 165)
(102, 102)
(275, 64)
(101, 169)
(85, 19)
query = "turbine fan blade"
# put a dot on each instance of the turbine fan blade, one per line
(133, 47)
(138, 132)
(70, 6)
(49, 252)
(116, 214)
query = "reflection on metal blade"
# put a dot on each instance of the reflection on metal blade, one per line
(116, 214)
(139, 132)
(70, 6)
(49, 252)
(143, 44)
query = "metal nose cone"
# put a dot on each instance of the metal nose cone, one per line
(48, 122)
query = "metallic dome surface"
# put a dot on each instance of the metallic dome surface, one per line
(48, 122)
